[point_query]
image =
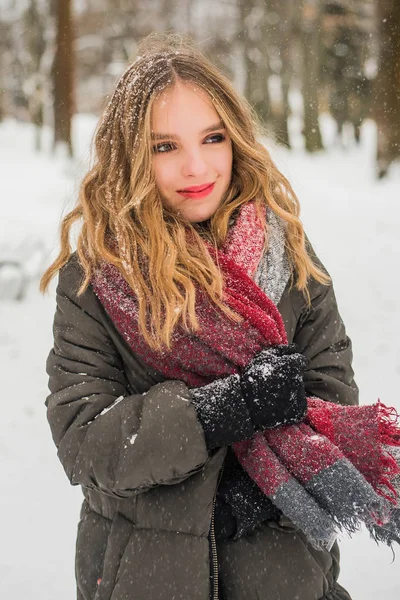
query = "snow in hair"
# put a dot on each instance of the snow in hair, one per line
(124, 220)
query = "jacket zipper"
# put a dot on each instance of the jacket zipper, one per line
(214, 543)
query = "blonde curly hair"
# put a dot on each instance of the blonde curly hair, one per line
(123, 220)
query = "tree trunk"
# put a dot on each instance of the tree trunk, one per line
(2, 86)
(257, 91)
(387, 90)
(255, 59)
(63, 76)
(311, 62)
(287, 35)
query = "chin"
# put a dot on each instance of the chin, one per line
(201, 214)
(200, 217)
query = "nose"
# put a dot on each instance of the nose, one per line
(194, 164)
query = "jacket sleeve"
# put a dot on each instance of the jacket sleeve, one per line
(108, 438)
(321, 336)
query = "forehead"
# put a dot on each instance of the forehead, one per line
(182, 108)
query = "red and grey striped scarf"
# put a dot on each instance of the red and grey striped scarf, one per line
(331, 473)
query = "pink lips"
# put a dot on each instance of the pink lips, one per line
(197, 191)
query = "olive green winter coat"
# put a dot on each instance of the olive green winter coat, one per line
(133, 442)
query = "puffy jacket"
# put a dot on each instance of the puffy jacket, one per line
(133, 442)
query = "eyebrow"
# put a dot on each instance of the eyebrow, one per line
(171, 136)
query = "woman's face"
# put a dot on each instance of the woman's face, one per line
(192, 152)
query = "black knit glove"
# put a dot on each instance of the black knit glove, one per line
(270, 392)
(222, 412)
(272, 385)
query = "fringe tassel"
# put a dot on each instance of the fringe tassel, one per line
(389, 424)
(389, 435)
(389, 533)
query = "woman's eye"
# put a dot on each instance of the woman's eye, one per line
(161, 148)
(215, 139)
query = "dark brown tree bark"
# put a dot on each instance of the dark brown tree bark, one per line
(1, 83)
(63, 75)
(36, 44)
(310, 43)
(285, 32)
(387, 89)
(255, 59)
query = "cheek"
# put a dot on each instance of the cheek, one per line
(163, 175)
(224, 162)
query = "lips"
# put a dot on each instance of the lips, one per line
(197, 191)
(196, 188)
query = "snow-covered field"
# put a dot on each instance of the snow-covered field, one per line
(353, 222)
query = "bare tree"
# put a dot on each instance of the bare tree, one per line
(279, 36)
(387, 91)
(63, 75)
(35, 35)
(310, 43)
(4, 43)
(252, 17)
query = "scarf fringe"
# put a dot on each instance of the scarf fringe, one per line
(389, 435)
(388, 533)
(389, 424)
(383, 468)
(322, 524)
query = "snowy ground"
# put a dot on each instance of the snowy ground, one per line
(353, 222)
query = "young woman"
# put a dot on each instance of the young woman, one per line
(169, 350)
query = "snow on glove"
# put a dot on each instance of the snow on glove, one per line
(273, 387)
(222, 412)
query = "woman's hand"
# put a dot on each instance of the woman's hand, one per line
(270, 392)
(273, 388)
